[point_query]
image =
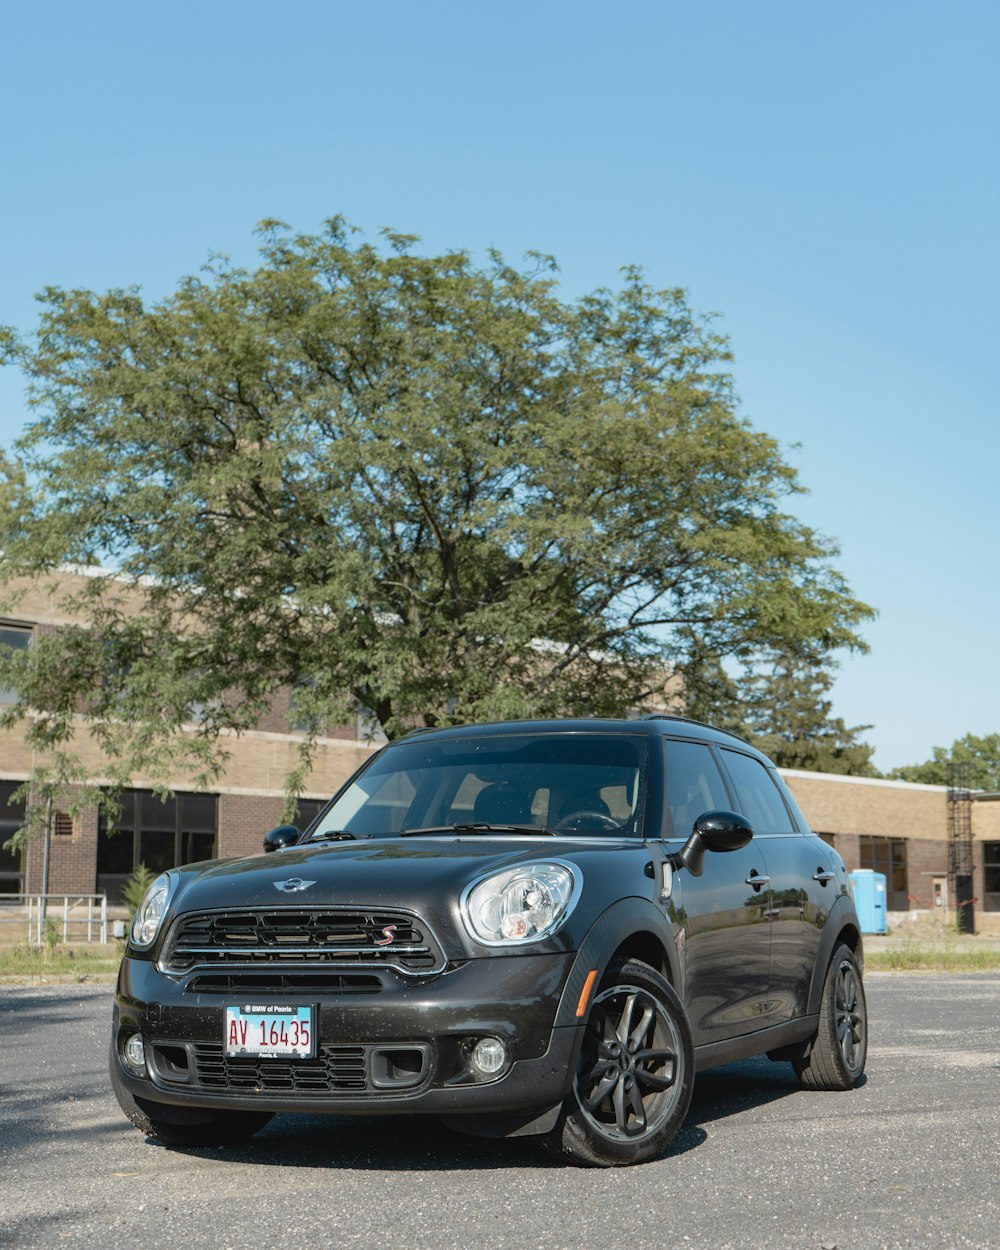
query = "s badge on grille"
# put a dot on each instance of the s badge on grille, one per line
(292, 885)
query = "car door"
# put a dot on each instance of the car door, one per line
(799, 868)
(727, 938)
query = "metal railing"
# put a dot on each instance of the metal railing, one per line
(82, 917)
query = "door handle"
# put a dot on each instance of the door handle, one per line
(756, 881)
(822, 877)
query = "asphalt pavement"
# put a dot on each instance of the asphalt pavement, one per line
(911, 1158)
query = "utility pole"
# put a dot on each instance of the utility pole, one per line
(45, 857)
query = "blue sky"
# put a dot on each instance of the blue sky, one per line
(824, 177)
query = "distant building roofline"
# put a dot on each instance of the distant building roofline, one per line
(861, 781)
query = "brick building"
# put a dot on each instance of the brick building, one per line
(894, 827)
(901, 829)
(229, 820)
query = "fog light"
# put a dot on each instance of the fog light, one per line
(488, 1056)
(135, 1053)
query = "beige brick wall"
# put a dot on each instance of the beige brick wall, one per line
(243, 821)
(72, 858)
(888, 809)
(925, 859)
(986, 821)
(848, 845)
(259, 762)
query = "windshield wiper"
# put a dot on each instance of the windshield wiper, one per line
(338, 835)
(481, 826)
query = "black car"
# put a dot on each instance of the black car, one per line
(539, 927)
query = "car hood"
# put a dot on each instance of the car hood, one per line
(378, 872)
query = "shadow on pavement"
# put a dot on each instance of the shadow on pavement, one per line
(421, 1144)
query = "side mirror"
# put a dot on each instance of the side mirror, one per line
(713, 831)
(278, 839)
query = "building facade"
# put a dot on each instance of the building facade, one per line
(894, 827)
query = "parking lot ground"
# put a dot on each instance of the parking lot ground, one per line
(909, 1159)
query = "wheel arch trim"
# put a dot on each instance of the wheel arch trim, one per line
(842, 926)
(634, 924)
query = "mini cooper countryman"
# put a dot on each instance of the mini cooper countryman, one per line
(534, 928)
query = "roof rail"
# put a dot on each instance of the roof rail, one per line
(691, 720)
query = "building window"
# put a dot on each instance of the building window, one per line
(829, 838)
(160, 833)
(307, 811)
(11, 819)
(991, 876)
(888, 856)
(17, 638)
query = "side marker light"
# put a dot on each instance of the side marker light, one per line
(588, 985)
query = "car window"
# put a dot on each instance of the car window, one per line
(694, 785)
(589, 784)
(377, 803)
(757, 794)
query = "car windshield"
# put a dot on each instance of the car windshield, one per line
(588, 784)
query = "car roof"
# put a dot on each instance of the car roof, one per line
(658, 725)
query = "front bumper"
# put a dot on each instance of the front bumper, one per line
(428, 1026)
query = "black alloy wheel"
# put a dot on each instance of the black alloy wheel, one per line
(836, 1058)
(635, 1073)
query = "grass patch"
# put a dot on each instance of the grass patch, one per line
(33, 961)
(913, 955)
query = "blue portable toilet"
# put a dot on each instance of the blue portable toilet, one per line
(868, 888)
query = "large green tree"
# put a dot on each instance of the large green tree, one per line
(981, 755)
(422, 484)
(790, 718)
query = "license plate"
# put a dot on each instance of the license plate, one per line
(270, 1029)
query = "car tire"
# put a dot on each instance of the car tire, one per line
(196, 1127)
(634, 1076)
(836, 1057)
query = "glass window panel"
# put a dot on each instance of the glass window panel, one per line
(694, 785)
(159, 845)
(126, 815)
(502, 779)
(307, 811)
(11, 819)
(11, 862)
(114, 852)
(758, 796)
(991, 876)
(156, 849)
(197, 812)
(9, 810)
(888, 856)
(196, 847)
(17, 637)
(157, 813)
(464, 802)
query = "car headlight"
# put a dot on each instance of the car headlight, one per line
(520, 905)
(150, 912)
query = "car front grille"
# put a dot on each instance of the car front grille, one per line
(257, 938)
(335, 1070)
